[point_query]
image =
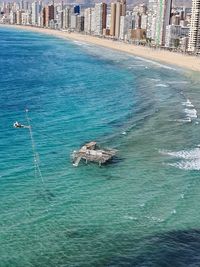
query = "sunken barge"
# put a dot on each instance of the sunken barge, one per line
(90, 152)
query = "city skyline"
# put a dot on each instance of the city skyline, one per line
(158, 23)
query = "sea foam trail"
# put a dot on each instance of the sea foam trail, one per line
(188, 104)
(161, 85)
(183, 154)
(190, 111)
(155, 63)
(189, 159)
(178, 82)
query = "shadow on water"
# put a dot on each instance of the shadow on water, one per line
(45, 195)
(172, 249)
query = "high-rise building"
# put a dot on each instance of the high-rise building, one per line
(151, 19)
(48, 15)
(123, 2)
(74, 21)
(88, 21)
(100, 17)
(67, 18)
(125, 26)
(80, 23)
(162, 20)
(13, 17)
(143, 21)
(194, 35)
(19, 17)
(113, 19)
(35, 8)
(93, 20)
(117, 20)
(174, 34)
(76, 9)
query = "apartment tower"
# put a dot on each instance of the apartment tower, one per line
(194, 35)
(100, 18)
(151, 19)
(48, 15)
(117, 20)
(113, 19)
(123, 2)
(162, 20)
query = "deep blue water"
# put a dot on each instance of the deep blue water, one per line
(142, 210)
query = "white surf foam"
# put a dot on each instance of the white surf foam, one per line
(183, 154)
(153, 79)
(189, 159)
(173, 211)
(188, 104)
(182, 196)
(161, 85)
(184, 120)
(191, 113)
(155, 219)
(81, 43)
(187, 165)
(127, 217)
(178, 82)
(136, 66)
(155, 63)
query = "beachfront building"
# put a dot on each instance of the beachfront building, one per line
(67, 17)
(26, 18)
(174, 35)
(89, 23)
(77, 9)
(125, 25)
(93, 21)
(194, 35)
(123, 2)
(74, 21)
(48, 15)
(143, 21)
(80, 23)
(117, 19)
(58, 15)
(35, 11)
(163, 14)
(13, 17)
(113, 19)
(19, 17)
(100, 11)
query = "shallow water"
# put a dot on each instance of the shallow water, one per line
(142, 210)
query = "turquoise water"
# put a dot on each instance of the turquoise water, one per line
(142, 210)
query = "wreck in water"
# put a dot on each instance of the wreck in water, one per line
(90, 152)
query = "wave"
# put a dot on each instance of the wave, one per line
(189, 166)
(178, 82)
(184, 120)
(155, 219)
(161, 85)
(81, 43)
(188, 103)
(191, 113)
(189, 159)
(155, 63)
(128, 217)
(183, 154)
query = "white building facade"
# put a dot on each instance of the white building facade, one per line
(194, 35)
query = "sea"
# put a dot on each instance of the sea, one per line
(140, 210)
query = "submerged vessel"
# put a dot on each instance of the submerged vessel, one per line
(90, 152)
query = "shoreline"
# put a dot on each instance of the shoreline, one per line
(171, 58)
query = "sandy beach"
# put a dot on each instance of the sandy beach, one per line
(182, 61)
